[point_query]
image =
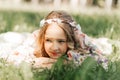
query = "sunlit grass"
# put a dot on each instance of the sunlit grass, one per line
(92, 25)
(100, 25)
(19, 21)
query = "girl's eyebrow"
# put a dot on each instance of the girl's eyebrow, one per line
(56, 39)
(62, 39)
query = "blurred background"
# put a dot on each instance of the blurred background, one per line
(70, 5)
(96, 17)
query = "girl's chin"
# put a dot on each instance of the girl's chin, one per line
(55, 55)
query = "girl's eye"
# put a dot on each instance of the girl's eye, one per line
(61, 41)
(48, 40)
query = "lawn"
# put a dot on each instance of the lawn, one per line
(95, 25)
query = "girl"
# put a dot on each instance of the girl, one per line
(61, 35)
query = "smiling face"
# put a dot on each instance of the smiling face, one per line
(55, 42)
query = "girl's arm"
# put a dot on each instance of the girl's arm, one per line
(43, 62)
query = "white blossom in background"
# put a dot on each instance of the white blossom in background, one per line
(6, 49)
(17, 47)
(21, 53)
(13, 37)
(104, 45)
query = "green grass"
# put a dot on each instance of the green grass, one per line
(100, 25)
(93, 25)
(88, 70)
(19, 21)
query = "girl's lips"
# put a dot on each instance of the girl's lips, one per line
(54, 54)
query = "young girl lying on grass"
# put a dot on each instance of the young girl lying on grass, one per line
(60, 35)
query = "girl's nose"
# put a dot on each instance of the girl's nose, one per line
(55, 46)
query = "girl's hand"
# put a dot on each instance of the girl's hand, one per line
(43, 62)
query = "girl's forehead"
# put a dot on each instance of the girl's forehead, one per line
(54, 28)
(55, 31)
